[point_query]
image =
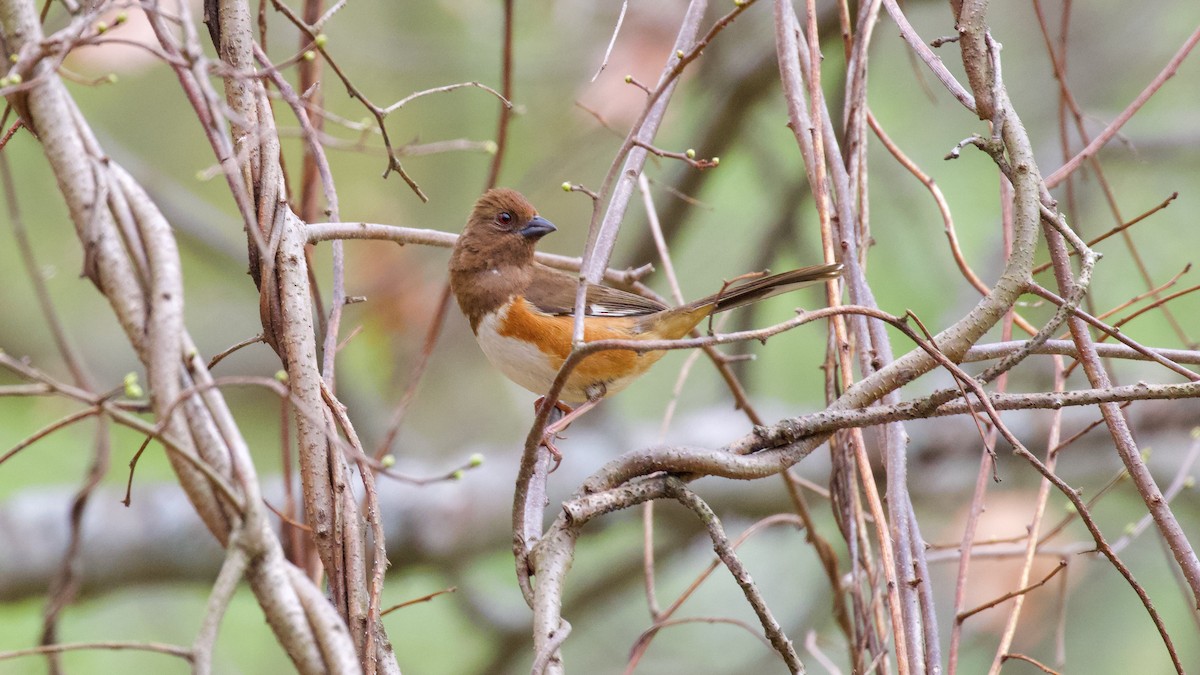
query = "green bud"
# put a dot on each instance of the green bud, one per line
(321, 40)
(691, 153)
(310, 55)
(281, 376)
(476, 460)
(457, 475)
(388, 461)
(566, 186)
(132, 388)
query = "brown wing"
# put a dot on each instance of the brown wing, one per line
(553, 292)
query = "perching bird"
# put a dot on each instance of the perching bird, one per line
(522, 312)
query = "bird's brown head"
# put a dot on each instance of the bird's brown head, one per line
(503, 227)
(493, 257)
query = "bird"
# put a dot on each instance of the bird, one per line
(522, 312)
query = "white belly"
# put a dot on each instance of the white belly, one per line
(531, 368)
(520, 361)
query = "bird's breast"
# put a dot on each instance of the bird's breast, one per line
(529, 347)
(521, 360)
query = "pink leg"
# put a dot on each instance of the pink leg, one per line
(568, 415)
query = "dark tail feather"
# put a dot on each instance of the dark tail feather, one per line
(766, 287)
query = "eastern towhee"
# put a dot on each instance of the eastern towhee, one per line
(522, 312)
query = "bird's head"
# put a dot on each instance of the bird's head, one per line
(504, 225)
(493, 258)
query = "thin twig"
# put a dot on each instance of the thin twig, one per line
(611, 41)
(416, 601)
(157, 647)
(1111, 130)
(505, 115)
(963, 616)
(775, 634)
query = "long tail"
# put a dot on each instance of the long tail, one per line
(758, 289)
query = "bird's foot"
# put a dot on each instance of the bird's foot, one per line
(555, 454)
(551, 432)
(565, 415)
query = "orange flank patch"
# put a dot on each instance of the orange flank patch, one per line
(614, 368)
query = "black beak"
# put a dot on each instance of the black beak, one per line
(537, 228)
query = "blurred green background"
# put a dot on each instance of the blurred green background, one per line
(393, 49)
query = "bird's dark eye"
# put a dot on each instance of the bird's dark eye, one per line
(504, 218)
